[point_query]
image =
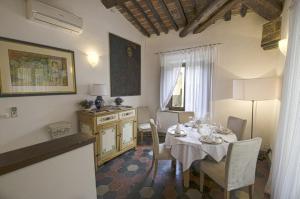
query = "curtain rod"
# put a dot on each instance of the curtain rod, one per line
(190, 48)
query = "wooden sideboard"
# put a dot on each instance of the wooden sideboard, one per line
(115, 130)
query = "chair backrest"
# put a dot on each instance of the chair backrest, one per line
(184, 117)
(237, 125)
(155, 138)
(166, 119)
(143, 115)
(241, 163)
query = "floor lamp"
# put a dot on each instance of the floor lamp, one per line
(256, 90)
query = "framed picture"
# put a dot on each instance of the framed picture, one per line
(32, 69)
(125, 67)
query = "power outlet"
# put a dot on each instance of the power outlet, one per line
(13, 112)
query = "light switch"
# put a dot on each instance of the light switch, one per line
(13, 112)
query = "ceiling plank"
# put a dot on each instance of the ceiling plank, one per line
(217, 15)
(203, 16)
(195, 4)
(243, 11)
(137, 5)
(142, 29)
(112, 3)
(227, 16)
(156, 16)
(181, 11)
(268, 9)
(167, 12)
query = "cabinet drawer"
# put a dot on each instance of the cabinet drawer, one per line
(127, 114)
(107, 118)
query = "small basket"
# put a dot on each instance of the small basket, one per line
(59, 129)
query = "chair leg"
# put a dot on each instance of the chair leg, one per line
(226, 194)
(174, 163)
(155, 168)
(202, 176)
(251, 191)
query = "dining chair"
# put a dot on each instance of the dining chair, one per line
(164, 120)
(160, 152)
(237, 125)
(184, 117)
(237, 171)
(143, 117)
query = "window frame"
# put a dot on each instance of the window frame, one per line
(172, 108)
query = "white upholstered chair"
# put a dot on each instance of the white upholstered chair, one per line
(159, 150)
(237, 125)
(237, 171)
(184, 117)
(143, 117)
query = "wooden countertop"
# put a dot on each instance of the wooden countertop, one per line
(17, 159)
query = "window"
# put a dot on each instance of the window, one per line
(177, 100)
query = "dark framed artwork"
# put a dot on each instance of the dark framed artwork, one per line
(33, 69)
(125, 67)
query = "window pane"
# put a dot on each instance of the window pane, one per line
(178, 93)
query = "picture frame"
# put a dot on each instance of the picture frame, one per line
(30, 69)
(125, 67)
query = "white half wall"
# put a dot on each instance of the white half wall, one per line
(240, 57)
(67, 176)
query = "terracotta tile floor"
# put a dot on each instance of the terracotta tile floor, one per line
(130, 176)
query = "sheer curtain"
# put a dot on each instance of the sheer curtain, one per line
(286, 160)
(171, 63)
(199, 71)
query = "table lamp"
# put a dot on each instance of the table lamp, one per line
(256, 90)
(98, 90)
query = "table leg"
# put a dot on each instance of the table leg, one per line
(186, 178)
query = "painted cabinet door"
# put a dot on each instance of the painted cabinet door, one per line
(127, 129)
(108, 141)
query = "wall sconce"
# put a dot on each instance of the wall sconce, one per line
(283, 45)
(93, 58)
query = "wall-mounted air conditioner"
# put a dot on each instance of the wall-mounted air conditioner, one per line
(43, 13)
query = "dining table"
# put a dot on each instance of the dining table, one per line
(190, 147)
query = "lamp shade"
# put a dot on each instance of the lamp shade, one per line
(98, 90)
(256, 89)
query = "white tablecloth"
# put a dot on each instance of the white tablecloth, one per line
(188, 149)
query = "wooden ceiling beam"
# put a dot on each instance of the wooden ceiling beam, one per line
(268, 9)
(203, 16)
(137, 5)
(156, 16)
(143, 30)
(112, 3)
(220, 13)
(243, 10)
(181, 11)
(167, 12)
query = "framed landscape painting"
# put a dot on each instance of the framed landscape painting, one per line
(33, 69)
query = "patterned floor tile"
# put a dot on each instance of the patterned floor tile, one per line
(102, 189)
(146, 192)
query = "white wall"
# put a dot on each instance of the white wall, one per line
(67, 176)
(36, 112)
(240, 56)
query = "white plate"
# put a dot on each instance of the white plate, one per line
(206, 139)
(181, 134)
(224, 131)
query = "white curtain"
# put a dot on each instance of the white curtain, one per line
(199, 71)
(286, 158)
(170, 67)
